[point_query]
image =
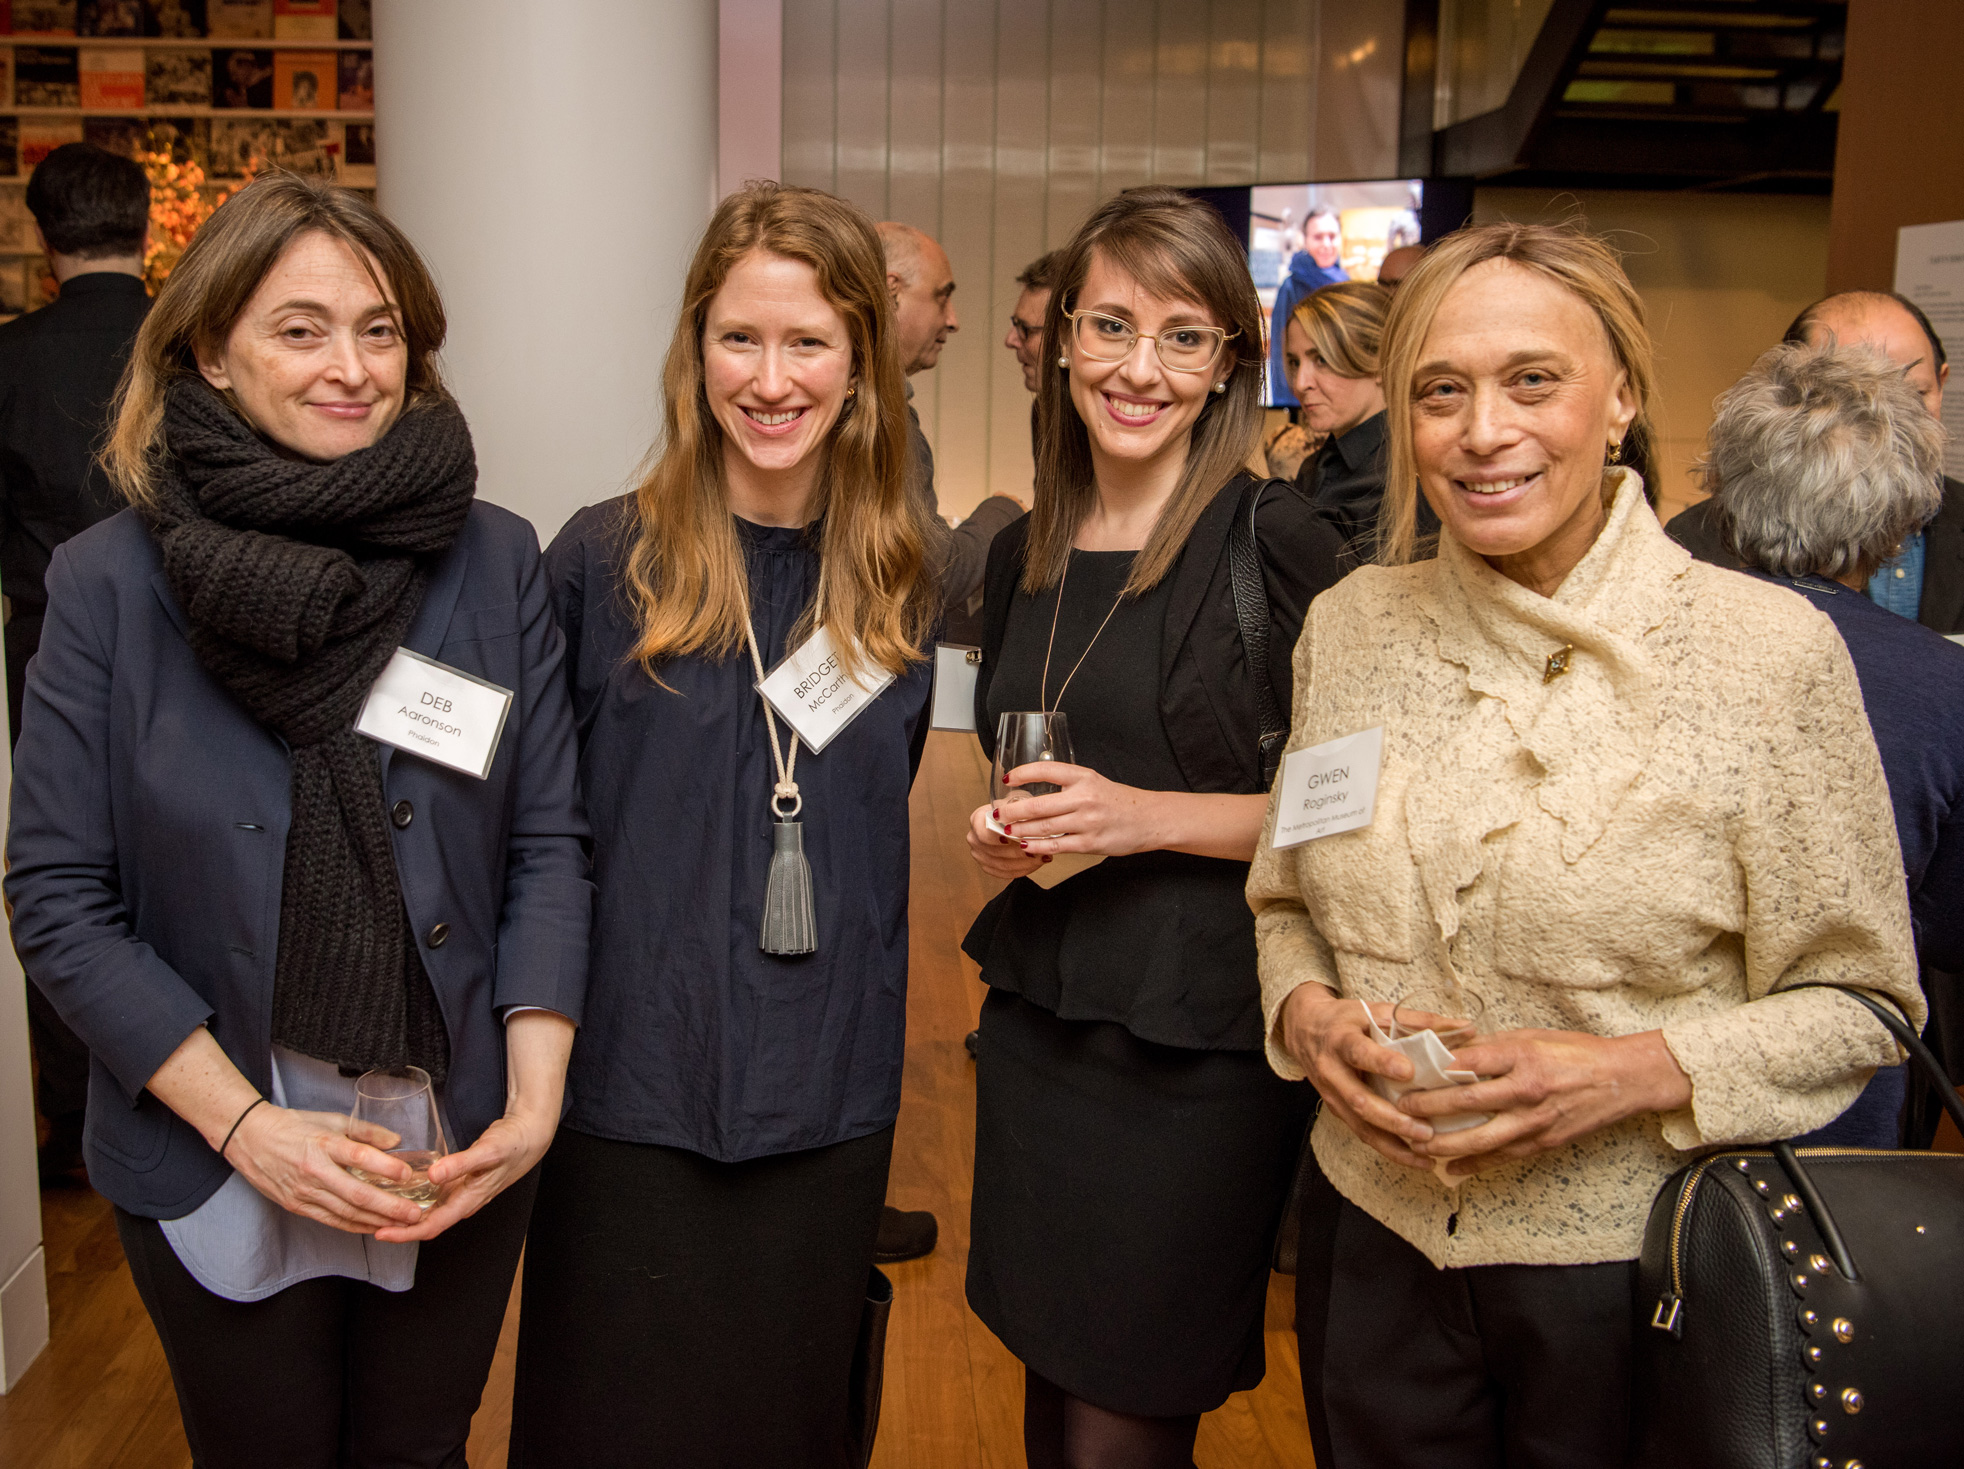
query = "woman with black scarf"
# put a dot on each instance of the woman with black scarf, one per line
(241, 903)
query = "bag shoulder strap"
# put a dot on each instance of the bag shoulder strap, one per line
(1251, 612)
(1920, 1054)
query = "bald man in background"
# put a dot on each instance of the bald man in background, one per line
(923, 286)
(1925, 582)
(1397, 264)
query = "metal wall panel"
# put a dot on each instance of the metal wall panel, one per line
(998, 125)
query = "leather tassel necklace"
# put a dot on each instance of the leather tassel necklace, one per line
(790, 921)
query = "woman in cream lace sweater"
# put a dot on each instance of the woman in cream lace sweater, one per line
(1625, 799)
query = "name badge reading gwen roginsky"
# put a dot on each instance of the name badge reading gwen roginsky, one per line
(812, 692)
(436, 711)
(1327, 788)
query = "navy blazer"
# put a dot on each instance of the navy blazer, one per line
(148, 843)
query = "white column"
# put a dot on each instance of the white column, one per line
(555, 164)
(23, 1275)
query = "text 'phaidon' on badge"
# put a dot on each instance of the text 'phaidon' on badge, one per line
(436, 711)
(1327, 788)
(813, 693)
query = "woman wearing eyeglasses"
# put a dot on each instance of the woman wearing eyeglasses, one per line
(1133, 1151)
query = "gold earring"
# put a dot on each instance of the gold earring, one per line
(1615, 452)
(850, 390)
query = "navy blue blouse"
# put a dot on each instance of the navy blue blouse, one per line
(693, 1036)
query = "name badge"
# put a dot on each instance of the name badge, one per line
(955, 671)
(1956, 637)
(1327, 788)
(813, 694)
(436, 711)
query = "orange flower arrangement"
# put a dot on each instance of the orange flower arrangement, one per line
(181, 200)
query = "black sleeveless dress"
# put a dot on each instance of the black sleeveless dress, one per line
(1133, 1148)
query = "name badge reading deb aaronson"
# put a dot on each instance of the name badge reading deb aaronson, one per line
(436, 711)
(1327, 788)
(812, 692)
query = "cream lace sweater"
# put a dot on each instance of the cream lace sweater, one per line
(1689, 820)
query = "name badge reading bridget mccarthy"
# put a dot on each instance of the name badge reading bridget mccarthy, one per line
(436, 711)
(1327, 788)
(812, 692)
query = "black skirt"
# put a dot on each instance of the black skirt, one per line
(1126, 1200)
(690, 1313)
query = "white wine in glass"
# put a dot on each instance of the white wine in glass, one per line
(402, 1103)
(1023, 737)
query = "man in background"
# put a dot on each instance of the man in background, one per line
(923, 286)
(1025, 338)
(1398, 264)
(1313, 267)
(1925, 582)
(58, 372)
(924, 317)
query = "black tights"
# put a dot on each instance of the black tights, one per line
(1063, 1432)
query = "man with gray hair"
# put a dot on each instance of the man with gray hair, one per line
(1924, 578)
(922, 283)
(1821, 462)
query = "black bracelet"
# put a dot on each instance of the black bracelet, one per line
(235, 1126)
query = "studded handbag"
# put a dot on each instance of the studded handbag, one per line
(1799, 1308)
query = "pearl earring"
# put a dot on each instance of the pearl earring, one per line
(1064, 360)
(1220, 387)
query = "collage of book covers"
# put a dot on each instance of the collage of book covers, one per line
(287, 82)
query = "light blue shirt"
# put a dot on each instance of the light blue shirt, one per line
(241, 1245)
(1899, 584)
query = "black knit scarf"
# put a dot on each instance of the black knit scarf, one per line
(300, 581)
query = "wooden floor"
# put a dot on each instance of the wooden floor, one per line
(100, 1397)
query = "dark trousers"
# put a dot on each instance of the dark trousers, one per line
(694, 1314)
(1406, 1366)
(334, 1373)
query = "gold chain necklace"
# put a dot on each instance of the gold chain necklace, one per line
(1043, 688)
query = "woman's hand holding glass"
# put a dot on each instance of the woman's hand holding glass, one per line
(301, 1161)
(1083, 813)
(1545, 1088)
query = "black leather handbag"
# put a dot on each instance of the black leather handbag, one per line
(1803, 1308)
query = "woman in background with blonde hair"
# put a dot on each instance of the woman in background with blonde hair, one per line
(1331, 352)
(700, 1258)
(1625, 801)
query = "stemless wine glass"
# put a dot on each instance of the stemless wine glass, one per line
(402, 1103)
(1451, 1014)
(1020, 739)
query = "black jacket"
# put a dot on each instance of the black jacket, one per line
(1941, 607)
(1207, 698)
(58, 371)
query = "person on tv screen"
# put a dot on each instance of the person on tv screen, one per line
(1316, 265)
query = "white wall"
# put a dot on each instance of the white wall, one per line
(1721, 275)
(997, 125)
(556, 164)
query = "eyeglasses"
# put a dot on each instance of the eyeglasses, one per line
(1025, 330)
(1181, 348)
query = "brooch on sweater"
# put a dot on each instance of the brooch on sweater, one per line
(1557, 663)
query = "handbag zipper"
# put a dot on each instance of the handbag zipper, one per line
(1669, 1315)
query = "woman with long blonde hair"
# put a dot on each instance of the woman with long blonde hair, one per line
(700, 1259)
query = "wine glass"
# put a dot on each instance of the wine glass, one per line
(1020, 739)
(1449, 1013)
(400, 1103)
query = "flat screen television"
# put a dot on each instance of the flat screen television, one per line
(1351, 225)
